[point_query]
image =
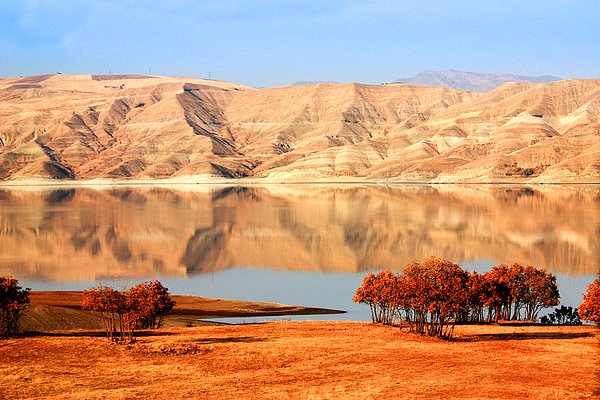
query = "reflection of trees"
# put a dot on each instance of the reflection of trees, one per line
(147, 231)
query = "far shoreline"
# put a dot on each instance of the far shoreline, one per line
(212, 181)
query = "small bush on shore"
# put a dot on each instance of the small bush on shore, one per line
(122, 313)
(13, 300)
(112, 307)
(149, 302)
(562, 315)
(380, 293)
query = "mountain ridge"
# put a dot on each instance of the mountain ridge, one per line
(475, 81)
(132, 127)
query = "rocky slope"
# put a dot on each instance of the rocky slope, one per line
(130, 126)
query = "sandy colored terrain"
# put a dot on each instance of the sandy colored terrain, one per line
(141, 127)
(306, 360)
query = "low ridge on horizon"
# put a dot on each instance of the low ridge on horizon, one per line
(475, 81)
(135, 126)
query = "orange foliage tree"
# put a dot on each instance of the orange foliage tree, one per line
(429, 296)
(122, 313)
(541, 291)
(381, 293)
(589, 310)
(111, 304)
(511, 293)
(433, 295)
(13, 300)
(436, 293)
(147, 304)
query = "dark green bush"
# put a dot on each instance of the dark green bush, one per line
(562, 316)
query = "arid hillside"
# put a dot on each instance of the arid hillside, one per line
(132, 126)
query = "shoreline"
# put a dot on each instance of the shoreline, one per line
(61, 310)
(211, 181)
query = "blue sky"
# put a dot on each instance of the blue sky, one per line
(268, 42)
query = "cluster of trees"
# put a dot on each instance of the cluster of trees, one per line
(513, 292)
(434, 295)
(13, 300)
(123, 312)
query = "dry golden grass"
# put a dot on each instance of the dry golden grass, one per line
(306, 360)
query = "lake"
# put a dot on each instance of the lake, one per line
(296, 244)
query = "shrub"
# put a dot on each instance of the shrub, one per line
(436, 293)
(589, 310)
(508, 291)
(381, 293)
(148, 303)
(13, 300)
(562, 316)
(429, 296)
(541, 291)
(112, 307)
(141, 307)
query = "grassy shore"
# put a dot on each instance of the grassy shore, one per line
(291, 360)
(61, 310)
(304, 360)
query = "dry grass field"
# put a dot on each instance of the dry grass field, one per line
(305, 360)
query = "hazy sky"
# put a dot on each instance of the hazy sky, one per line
(268, 42)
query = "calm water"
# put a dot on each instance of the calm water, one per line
(297, 244)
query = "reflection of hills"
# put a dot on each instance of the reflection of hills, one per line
(81, 234)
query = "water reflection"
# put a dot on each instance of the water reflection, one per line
(88, 234)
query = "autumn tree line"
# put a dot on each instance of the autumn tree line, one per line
(432, 296)
(122, 312)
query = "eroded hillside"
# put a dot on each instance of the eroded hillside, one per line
(131, 126)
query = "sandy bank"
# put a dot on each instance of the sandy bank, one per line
(60, 310)
(197, 182)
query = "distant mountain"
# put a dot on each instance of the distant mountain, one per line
(310, 82)
(475, 81)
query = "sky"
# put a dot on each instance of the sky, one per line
(269, 43)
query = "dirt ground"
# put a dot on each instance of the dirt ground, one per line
(306, 360)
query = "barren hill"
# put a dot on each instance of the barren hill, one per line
(133, 126)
